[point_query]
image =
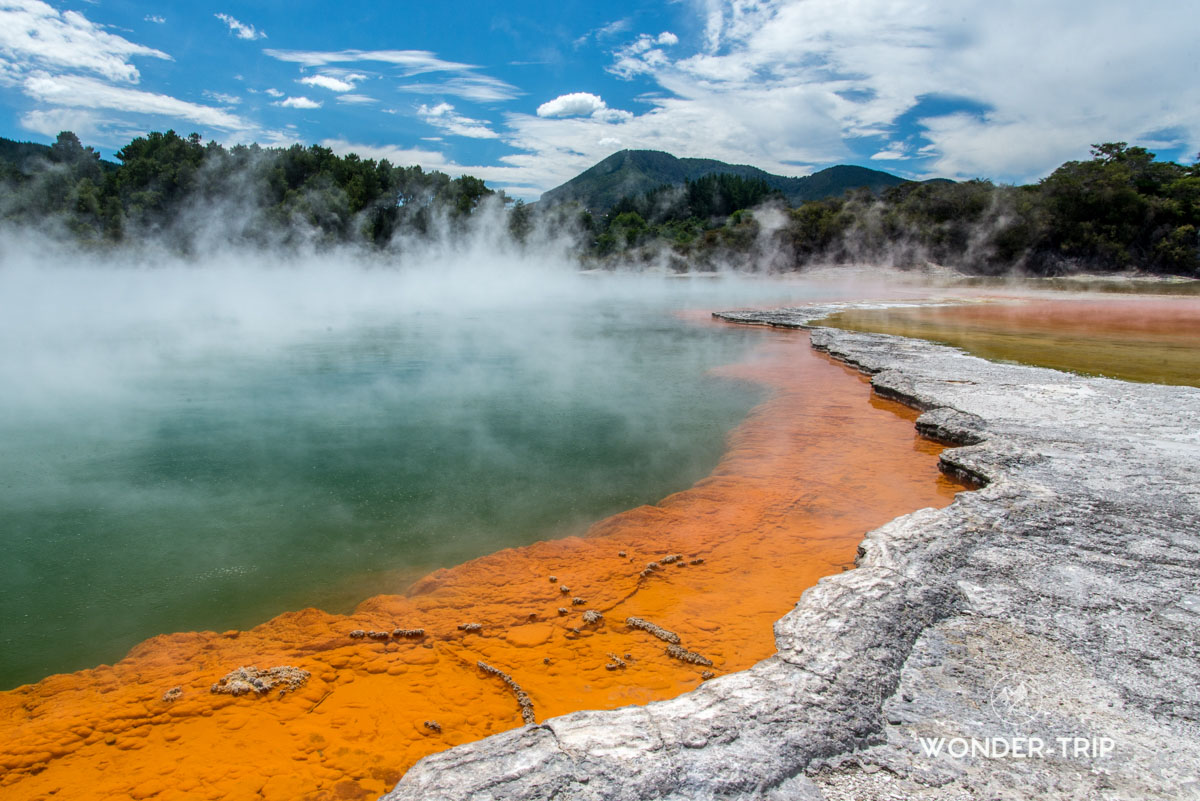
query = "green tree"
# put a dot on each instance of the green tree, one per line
(628, 228)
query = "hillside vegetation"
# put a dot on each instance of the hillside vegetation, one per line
(1120, 210)
(171, 186)
(634, 172)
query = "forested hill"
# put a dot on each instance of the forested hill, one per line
(1120, 210)
(634, 172)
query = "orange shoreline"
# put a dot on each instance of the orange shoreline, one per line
(810, 470)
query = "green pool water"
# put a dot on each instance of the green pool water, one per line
(202, 449)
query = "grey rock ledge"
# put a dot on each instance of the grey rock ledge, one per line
(1061, 600)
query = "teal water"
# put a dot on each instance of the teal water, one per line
(203, 450)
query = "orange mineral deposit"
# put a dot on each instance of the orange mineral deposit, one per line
(813, 467)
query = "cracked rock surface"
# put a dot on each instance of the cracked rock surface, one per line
(1058, 604)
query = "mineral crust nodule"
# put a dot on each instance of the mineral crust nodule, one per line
(245, 680)
(522, 697)
(651, 628)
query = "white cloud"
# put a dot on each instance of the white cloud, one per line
(575, 104)
(582, 104)
(444, 116)
(273, 92)
(642, 55)
(36, 36)
(299, 102)
(91, 127)
(786, 83)
(1050, 77)
(355, 99)
(239, 29)
(334, 83)
(892, 152)
(78, 74)
(155, 18)
(82, 92)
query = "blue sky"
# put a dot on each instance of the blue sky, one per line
(527, 94)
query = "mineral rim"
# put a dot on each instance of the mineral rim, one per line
(1058, 606)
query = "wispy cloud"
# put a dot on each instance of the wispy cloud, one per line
(355, 99)
(240, 29)
(155, 18)
(444, 116)
(466, 82)
(518, 180)
(479, 88)
(413, 62)
(86, 123)
(80, 77)
(82, 92)
(221, 97)
(615, 27)
(402, 156)
(606, 31)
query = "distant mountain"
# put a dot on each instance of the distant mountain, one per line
(632, 172)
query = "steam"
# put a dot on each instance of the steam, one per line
(204, 440)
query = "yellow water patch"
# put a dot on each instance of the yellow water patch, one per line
(1135, 339)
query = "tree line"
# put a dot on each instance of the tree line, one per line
(168, 184)
(1121, 209)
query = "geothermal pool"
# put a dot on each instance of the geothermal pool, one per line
(198, 451)
(206, 448)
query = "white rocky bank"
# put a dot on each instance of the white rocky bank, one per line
(1053, 614)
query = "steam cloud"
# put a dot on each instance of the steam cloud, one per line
(204, 440)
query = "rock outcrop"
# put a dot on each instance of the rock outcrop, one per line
(1057, 605)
